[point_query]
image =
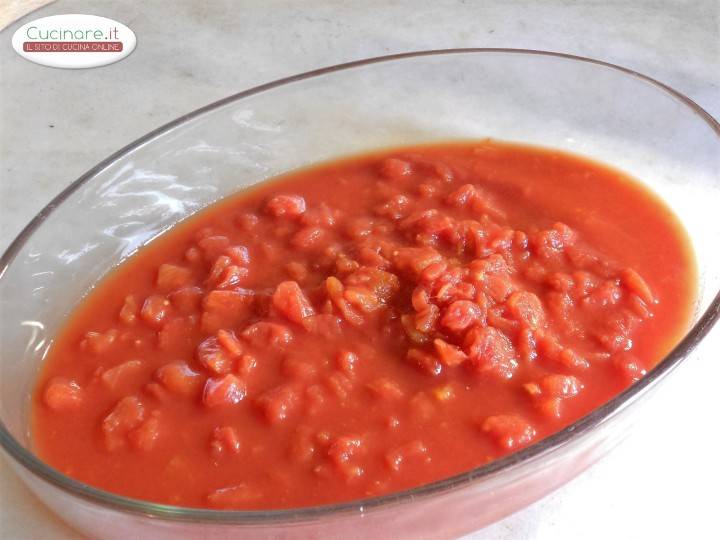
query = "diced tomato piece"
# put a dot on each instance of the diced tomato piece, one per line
(339, 384)
(178, 334)
(302, 447)
(395, 208)
(225, 309)
(322, 215)
(186, 300)
(572, 360)
(324, 324)
(229, 341)
(347, 361)
(345, 265)
(385, 388)
(550, 407)
(501, 240)
(559, 305)
(213, 356)
(585, 282)
(286, 206)
(413, 261)
(428, 190)
(172, 276)
(178, 378)
(462, 196)
(344, 448)
(359, 227)
(384, 285)
(193, 255)
(526, 308)
(560, 281)
(639, 307)
(371, 258)
(247, 221)
(335, 291)
(635, 283)
(527, 346)
(462, 291)
(460, 315)
(315, 399)
(155, 310)
(129, 310)
(278, 403)
(498, 286)
(63, 394)
(127, 415)
(629, 366)
(217, 269)
(395, 169)
(426, 320)
(444, 393)
(547, 345)
(362, 299)
(239, 255)
(415, 335)
(99, 342)
(561, 386)
(496, 320)
(433, 272)
(614, 334)
(435, 168)
(551, 242)
(225, 440)
(425, 361)
(583, 257)
(608, 293)
(213, 246)
(145, 436)
(413, 450)
(510, 431)
(246, 364)
(232, 276)
(228, 390)
(267, 334)
(420, 298)
(119, 375)
(551, 390)
(290, 301)
(297, 271)
(494, 264)
(490, 352)
(450, 355)
(310, 237)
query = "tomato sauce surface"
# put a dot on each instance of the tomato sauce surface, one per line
(365, 326)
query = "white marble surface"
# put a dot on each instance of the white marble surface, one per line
(56, 124)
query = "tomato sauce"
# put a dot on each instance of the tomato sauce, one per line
(365, 326)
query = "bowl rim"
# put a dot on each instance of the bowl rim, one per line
(200, 515)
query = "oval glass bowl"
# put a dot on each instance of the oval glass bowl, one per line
(576, 104)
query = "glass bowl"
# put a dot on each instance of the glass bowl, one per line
(576, 104)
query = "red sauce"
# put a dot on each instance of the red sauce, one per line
(365, 326)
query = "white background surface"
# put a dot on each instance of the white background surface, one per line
(55, 124)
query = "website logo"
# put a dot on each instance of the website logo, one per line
(74, 41)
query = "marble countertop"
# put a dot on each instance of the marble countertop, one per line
(56, 124)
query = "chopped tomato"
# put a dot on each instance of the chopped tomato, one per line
(364, 327)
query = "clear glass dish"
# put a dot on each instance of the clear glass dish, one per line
(580, 105)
